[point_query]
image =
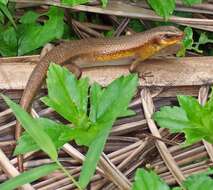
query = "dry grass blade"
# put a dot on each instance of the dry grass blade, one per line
(167, 157)
(86, 29)
(10, 170)
(114, 174)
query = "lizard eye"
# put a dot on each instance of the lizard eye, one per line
(168, 36)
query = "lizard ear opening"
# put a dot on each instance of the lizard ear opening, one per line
(157, 40)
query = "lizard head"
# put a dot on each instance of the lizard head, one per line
(168, 35)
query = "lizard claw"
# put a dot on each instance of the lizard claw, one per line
(145, 75)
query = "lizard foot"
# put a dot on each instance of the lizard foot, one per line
(145, 75)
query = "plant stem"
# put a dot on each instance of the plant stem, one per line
(68, 174)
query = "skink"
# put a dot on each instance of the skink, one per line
(139, 46)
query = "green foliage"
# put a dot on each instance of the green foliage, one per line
(191, 2)
(32, 35)
(6, 12)
(188, 38)
(34, 129)
(92, 157)
(64, 89)
(200, 181)
(29, 34)
(8, 45)
(162, 7)
(189, 44)
(136, 25)
(148, 180)
(9, 42)
(104, 3)
(56, 131)
(109, 33)
(105, 107)
(166, 8)
(203, 39)
(74, 2)
(28, 176)
(69, 97)
(4, 2)
(190, 118)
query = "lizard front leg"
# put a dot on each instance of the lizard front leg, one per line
(134, 64)
(73, 68)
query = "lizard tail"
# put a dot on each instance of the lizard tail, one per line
(34, 84)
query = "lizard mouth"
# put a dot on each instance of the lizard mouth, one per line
(173, 39)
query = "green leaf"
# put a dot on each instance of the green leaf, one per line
(191, 106)
(95, 93)
(29, 17)
(173, 118)
(177, 188)
(104, 3)
(74, 2)
(64, 89)
(92, 157)
(189, 44)
(106, 107)
(203, 39)
(187, 41)
(56, 131)
(191, 2)
(28, 176)
(200, 117)
(188, 37)
(33, 35)
(34, 129)
(191, 118)
(162, 7)
(199, 181)
(1, 18)
(8, 45)
(128, 113)
(148, 181)
(136, 25)
(4, 2)
(5, 10)
(110, 104)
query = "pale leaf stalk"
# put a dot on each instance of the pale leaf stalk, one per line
(68, 175)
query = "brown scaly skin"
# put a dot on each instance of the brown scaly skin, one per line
(140, 46)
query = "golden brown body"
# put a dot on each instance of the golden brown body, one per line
(139, 46)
